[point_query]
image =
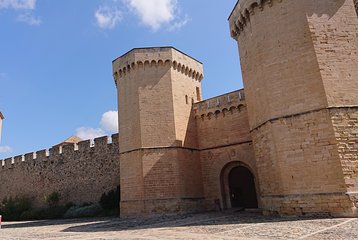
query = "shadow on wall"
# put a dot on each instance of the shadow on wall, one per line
(324, 7)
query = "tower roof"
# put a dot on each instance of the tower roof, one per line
(1, 116)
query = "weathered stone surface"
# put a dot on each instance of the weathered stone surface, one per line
(80, 175)
(294, 127)
(299, 61)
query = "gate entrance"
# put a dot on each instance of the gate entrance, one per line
(242, 188)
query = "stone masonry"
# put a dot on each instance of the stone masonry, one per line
(80, 173)
(159, 161)
(299, 62)
(287, 143)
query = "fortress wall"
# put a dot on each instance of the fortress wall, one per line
(214, 161)
(224, 138)
(79, 173)
(345, 122)
(279, 65)
(169, 178)
(222, 121)
(335, 41)
(291, 81)
(300, 174)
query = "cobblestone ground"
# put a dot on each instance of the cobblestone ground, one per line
(230, 225)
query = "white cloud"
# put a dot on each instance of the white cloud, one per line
(86, 133)
(107, 17)
(25, 8)
(179, 24)
(18, 4)
(154, 13)
(5, 149)
(109, 121)
(29, 19)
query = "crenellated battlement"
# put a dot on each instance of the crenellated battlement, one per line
(79, 172)
(141, 58)
(242, 12)
(97, 145)
(220, 105)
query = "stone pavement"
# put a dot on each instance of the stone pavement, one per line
(229, 225)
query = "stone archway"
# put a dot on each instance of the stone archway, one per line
(238, 187)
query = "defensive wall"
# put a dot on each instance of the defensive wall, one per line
(298, 62)
(80, 173)
(224, 142)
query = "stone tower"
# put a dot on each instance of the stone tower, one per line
(299, 63)
(159, 163)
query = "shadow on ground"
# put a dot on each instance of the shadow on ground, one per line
(118, 224)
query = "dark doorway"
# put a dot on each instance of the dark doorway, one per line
(242, 188)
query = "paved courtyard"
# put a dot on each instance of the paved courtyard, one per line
(229, 225)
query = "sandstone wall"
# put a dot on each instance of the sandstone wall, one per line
(80, 175)
(345, 124)
(224, 141)
(160, 164)
(298, 62)
(333, 28)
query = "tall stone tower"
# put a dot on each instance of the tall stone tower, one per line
(159, 163)
(299, 63)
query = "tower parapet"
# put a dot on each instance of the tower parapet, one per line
(298, 62)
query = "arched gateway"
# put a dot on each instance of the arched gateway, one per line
(242, 188)
(238, 187)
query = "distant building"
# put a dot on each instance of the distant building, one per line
(69, 141)
(1, 118)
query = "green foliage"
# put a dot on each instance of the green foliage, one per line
(110, 200)
(12, 208)
(44, 213)
(83, 211)
(53, 199)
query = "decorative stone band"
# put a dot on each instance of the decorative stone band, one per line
(271, 120)
(161, 148)
(180, 67)
(242, 12)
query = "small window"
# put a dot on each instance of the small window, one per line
(186, 99)
(198, 97)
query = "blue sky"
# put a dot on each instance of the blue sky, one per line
(55, 60)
